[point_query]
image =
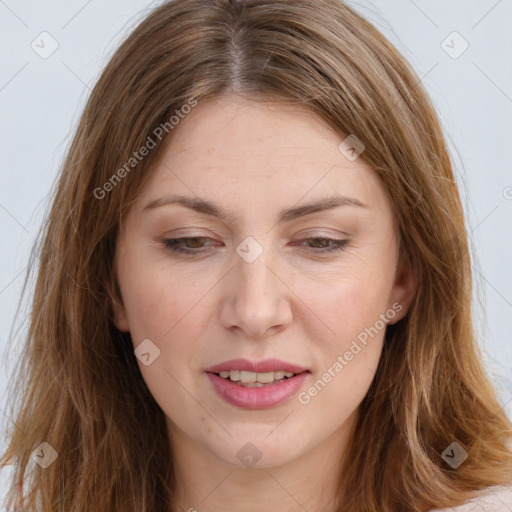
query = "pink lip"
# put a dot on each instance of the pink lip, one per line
(257, 398)
(268, 365)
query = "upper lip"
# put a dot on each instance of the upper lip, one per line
(267, 365)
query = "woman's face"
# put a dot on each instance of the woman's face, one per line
(257, 282)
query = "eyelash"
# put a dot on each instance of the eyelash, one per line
(170, 243)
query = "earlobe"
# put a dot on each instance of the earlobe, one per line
(120, 317)
(119, 311)
(404, 288)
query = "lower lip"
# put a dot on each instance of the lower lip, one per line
(257, 398)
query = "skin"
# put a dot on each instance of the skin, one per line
(255, 159)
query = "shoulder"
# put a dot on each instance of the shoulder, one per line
(493, 499)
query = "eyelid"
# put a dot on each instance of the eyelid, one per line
(319, 233)
(176, 234)
(334, 245)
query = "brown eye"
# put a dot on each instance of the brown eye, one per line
(323, 245)
(192, 244)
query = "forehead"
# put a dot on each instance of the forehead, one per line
(251, 153)
(240, 129)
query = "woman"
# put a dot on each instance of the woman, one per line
(254, 289)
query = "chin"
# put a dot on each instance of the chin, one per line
(256, 452)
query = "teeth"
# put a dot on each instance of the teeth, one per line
(253, 377)
(262, 378)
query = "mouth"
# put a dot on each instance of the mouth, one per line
(248, 379)
(261, 385)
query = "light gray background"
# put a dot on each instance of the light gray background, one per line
(41, 99)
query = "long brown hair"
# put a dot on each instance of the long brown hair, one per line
(80, 389)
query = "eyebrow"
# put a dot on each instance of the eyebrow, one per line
(287, 215)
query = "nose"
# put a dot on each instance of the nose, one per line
(256, 299)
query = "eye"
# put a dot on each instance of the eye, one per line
(196, 245)
(326, 245)
(176, 244)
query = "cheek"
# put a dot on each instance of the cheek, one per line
(165, 306)
(353, 352)
(347, 362)
(150, 310)
(353, 310)
(161, 310)
(335, 394)
(351, 302)
(154, 298)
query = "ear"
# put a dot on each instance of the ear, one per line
(120, 316)
(404, 288)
